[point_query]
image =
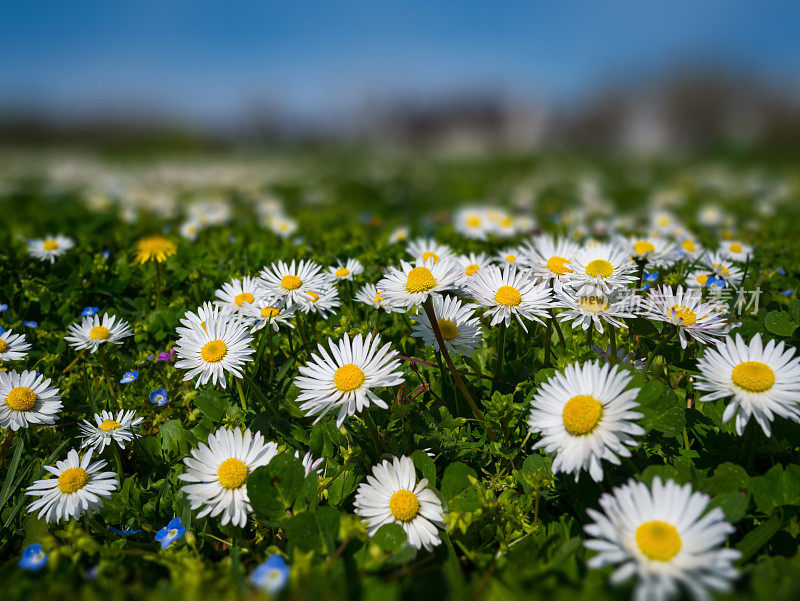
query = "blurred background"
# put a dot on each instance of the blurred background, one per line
(454, 77)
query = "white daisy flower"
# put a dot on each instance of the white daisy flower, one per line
(289, 282)
(687, 311)
(282, 225)
(503, 224)
(508, 256)
(93, 331)
(310, 464)
(411, 285)
(237, 293)
(460, 329)
(217, 473)
(207, 312)
(666, 536)
(689, 249)
(346, 377)
(427, 249)
(370, 295)
(189, 229)
(469, 265)
(399, 234)
(548, 258)
(736, 251)
(322, 300)
(656, 251)
(663, 221)
(510, 293)
(351, 268)
(212, 347)
(119, 428)
(762, 381)
(392, 495)
(472, 222)
(78, 488)
(585, 415)
(266, 311)
(723, 268)
(50, 247)
(591, 305)
(13, 347)
(604, 265)
(27, 398)
(706, 279)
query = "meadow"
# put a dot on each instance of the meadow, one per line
(376, 377)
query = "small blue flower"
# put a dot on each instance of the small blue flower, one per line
(645, 286)
(232, 239)
(106, 254)
(33, 558)
(31, 324)
(92, 573)
(89, 311)
(2, 330)
(129, 377)
(789, 292)
(780, 270)
(158, 397)
(651, 277)
(170, 533)
(3, 307)
(272, 575)
(123, 531)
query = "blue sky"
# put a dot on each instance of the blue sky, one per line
(211, 60)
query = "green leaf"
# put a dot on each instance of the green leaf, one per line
(425, 465)
(642, 327)
(734, 504)
(391, 538)
(728, 477)
(665, 472)
(273, 488)
(780, 323)
(211, 404)
(768, 490)
(755, 539)
(173, 437)
(456, 479)
(314, 531)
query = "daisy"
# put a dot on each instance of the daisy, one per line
(237, 293)
(689, 249)
(469, 265)
(76, 490)
(762, 381)
(13, 347)
(289, 282)
(154, 248)
(217, 473)
(704, 278)
(549, 258)
(346, 377)
(109, 428)
(591, 305)
(399, 234)
(207, 313)
(472, 222)
(736, 251)
(507, 256)
(310, 464)
(27, 398)
(723, 269)
(265, 311)
(666, 536)
(370, 295)
(392, 495)
(687, 311)
(502, 223)
(461, 330)
(604, 265)
(585, 415)
(656, 251)
(47, 249)
(427, 249)
(93, 331)
(189, 229)
(411, 285)
(351, 268)
(322, 300)
(211, 348)
(282, 226)
(510, 293)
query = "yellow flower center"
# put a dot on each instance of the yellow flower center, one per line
(203, 325)
(72, 480)
(110, 424)
(722, 269)
(507, 222)
(581, 414)
(430, 255)
(511, 258)
(558, 266)
(348, 377)
(702, 279)
(508, 296)
(420, 279)
(244, 297)
(214, 351)
(291, 282)
(232, 473)
(21, 398)
(658, 540)
(99, 333)
(688, 246)
(663, 221)
(342, 272)
(753, 376)
(448, 329)
(474, 222)
(599, 267)
(642, 247)
(404, 505)
(154, 248)
(472, 269)
(688, 316)
(269, 312)
(378, 298)
(49, 245)
(314, 296)
(594, 304)
(3, 346)
(736, 247)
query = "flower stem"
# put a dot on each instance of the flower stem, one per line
(373, 433)
(242, 398)
(498, 366)
(612, 335)
(658, 348)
